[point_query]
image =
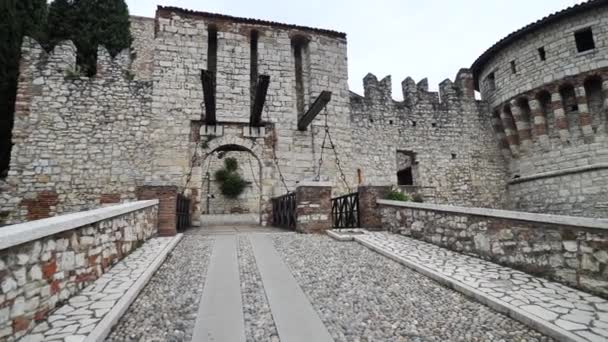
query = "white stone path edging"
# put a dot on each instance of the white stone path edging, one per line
(29, 231)
(553, 309)
(90, 315)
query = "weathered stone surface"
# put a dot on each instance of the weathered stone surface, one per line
(36, 288)
(567, 254)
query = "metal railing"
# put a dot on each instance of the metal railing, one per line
(182, 212)
(284, 211)
(345, 211)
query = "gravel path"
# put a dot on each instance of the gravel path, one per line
(259, 324)
(363, 296)
(166, 308)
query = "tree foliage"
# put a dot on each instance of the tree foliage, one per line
(90, 23)
(231, 183)
(18, 18)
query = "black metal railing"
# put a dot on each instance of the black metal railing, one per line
(182, 215)
(345, 211)
(284, 211)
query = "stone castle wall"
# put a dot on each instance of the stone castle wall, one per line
(142, 48)
(562, 58)
(551, 116)
(181, 49)
(448, 135)
(79, 142)
(532, 145)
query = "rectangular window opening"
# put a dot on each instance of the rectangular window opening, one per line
(513, 67)
(542, 54)
(491, 81)
(212, 50)
(297, 50)
(253, 65)
(584, 40)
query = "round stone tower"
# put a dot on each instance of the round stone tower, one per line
(546, 86)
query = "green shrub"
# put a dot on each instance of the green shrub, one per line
(395, 195)
(231, 164)
(73, 73)
(231, 183)
(418, 198)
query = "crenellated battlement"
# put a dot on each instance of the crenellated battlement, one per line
(380, 92)
(62, 61)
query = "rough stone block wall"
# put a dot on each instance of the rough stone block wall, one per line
(562, 57)
(449, 134)
(180, 55)
(572, 255)
(580, 193)
(142, 31)
(38, 275)
(76, 139)
(551, 115)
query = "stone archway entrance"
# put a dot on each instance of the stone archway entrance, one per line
(219, 209)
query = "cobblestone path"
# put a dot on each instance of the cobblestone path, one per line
(292, 287)
(574, 314)
(357, 294)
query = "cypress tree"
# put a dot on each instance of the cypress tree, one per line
(90, 23)
(17, 19)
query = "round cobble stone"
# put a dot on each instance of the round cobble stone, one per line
(363, 296)
(259, 323)
(166, 309)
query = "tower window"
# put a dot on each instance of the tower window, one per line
(513, 67)
(584, 40)
(491, 81)
(542, 53)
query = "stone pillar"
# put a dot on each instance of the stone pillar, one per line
(585, 120)
(561, 123)
(500, 135)
(523, 127)
(313, 207)
(510, 132)
(540, 122)
(167, 206)
(369, 212)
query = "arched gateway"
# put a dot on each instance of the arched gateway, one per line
(250, 205)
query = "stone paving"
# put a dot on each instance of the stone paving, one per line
(361, 295)
(166, 308)
(259, 323)
(75, 320)
(580, 315)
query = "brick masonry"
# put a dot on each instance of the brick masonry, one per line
(167, 206)
(38, 275)
(369, 214)
(313, 208)
(572, 255)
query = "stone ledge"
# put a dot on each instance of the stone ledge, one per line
(104, 327)
(29, 231)
(506, 214)
(558, 173)
(313, 184)
(512, 311)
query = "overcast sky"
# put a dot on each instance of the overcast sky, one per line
(417, 38)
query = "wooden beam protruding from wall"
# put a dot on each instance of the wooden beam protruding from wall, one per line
(314, 110)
